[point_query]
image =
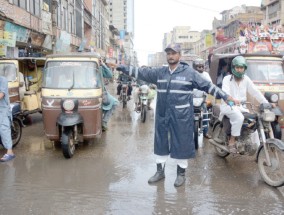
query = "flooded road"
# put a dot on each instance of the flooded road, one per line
(110, 177)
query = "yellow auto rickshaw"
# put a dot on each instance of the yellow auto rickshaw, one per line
(72, 99)
(24, 76)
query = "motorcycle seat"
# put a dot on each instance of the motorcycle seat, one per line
(250, 115)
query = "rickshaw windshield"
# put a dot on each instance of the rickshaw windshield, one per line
(71, 75)
(9, 71)
(265, 71)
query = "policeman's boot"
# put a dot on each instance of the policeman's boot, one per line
(180, 176)
(159, 175)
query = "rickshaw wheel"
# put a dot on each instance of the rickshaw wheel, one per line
(67, 142)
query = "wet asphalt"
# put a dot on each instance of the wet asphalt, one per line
(110, 176)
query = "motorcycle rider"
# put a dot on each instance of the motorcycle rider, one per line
(199, 65)
(238, 85)
(124, 79)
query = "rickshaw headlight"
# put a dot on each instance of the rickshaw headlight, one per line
(68, 105)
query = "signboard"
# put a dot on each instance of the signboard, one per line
(110, 52)
(21, 32)
(46, 22)
(3, 50)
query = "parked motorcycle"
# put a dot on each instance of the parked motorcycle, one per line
(270, 152)
(199, 103)
(17, 124)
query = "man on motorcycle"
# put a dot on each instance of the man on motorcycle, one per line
(124, 79)
(238, 85)
(199, 65)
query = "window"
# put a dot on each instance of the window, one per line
(34, 7)
(65, 20)
(58, 16)
(21, 3)
(71, 23)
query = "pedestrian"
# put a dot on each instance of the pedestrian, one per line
(174, 116)
(5, 120)
(109, 102)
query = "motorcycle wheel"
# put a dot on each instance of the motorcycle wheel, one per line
(124, 101)
(143, 113)
(16, 132)
(218, 134)
(67, 142)
(196, 126)
(272, 175)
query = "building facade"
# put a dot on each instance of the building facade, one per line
(41, 27)
(273, 12)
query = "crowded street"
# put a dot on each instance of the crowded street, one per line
(110, 176)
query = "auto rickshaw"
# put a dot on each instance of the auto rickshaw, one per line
(72, 99)
(267, 73)
(25, 85)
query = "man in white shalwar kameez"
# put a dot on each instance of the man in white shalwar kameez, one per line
(238, 85)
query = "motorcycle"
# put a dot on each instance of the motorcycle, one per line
(143, 102)
(200, 104)
(270, 152)
(17, 124)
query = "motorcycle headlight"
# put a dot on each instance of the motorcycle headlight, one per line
(68, 105)
(197, 102)
(271, 97)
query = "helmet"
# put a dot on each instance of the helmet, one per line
(239, 61)
(198, 62)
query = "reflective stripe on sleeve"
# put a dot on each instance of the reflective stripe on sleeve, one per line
(162, 91)
(182, 106)
(181, 91)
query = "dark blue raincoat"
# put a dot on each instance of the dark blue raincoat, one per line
(174, 109)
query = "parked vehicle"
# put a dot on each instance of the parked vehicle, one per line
(269, 154)
(72, 99)
(24, 82)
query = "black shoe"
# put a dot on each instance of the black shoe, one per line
(180, 177)
(159, 175)
(104, 128)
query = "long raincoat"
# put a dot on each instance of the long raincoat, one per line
(174, 123)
